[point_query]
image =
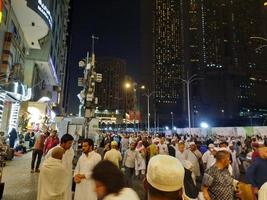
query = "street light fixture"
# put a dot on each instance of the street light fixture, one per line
(127, 86)
(258, 49)
(148, 94)
(258, 38)
(204, 125)
(143, 87)
(188, 81)
(172, 119)
(265, 3)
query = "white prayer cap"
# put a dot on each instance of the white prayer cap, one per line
(223, 149)
(211, 146)
(216, 149)
(156, 140)
(192, 143)
(165, 173)
(217, 142)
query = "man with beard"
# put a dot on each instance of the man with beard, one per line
(82, 175)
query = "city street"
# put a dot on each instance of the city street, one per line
(19, 182)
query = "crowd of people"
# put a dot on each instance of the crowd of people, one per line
(173, 167)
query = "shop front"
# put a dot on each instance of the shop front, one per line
(11, 96)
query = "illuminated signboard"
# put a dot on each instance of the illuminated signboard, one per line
(41, 7)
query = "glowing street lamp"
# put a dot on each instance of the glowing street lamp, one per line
(265, 3)
(127, 85)
(204, 125)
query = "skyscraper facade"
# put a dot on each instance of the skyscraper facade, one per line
(166, 56)
(222, 43)
(110, 92)
(230, 92)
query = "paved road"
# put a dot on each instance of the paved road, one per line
(20, 184)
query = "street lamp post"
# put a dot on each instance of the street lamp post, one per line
(148, 95)
(127, 86)
(172, 120)
(188, 81)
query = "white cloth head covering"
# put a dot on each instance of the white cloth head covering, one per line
(165, 173)
(156, 140)
(191, 143)
(211, 146)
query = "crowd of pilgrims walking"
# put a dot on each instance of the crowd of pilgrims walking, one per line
(169, 168)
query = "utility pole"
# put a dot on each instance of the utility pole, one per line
(90, 79)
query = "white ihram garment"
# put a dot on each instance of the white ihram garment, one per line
(53, 180)
(235, 165)
(85, 190)
(124, 194)
(67, 162)
(182, 155)
(263, 192)
(194, 160)
(208, 159)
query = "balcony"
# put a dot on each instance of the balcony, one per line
(33, 24)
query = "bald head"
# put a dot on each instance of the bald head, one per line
(57, 153)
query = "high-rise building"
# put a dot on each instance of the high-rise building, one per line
(166, 56)
(215, 40)
(110, 92)
(230, 91)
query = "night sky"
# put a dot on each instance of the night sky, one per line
(116, 23)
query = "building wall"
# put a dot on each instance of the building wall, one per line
(210, 39)
(50, 60)
(227, 92)
(110, 91)
(162, 46)
(14, 46)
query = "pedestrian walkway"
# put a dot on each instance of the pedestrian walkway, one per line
(20, 184)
